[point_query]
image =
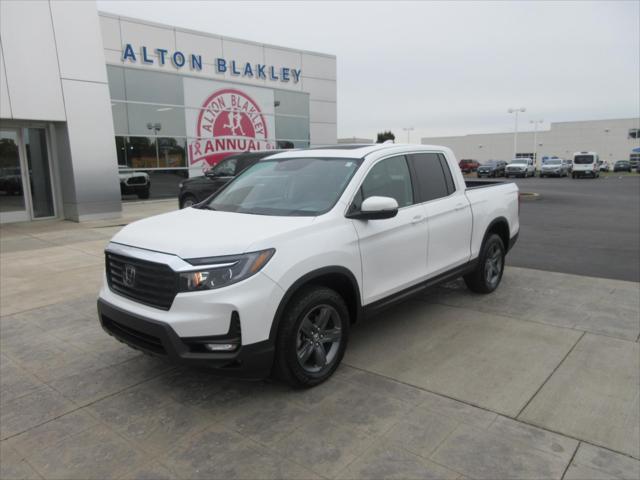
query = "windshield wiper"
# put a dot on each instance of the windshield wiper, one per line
(204, 207)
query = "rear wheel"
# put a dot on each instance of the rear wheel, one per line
(488, 274)
(312, 337)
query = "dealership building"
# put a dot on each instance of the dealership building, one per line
(85, 93)
(613, 139)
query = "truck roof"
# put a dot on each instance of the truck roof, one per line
(354, 150)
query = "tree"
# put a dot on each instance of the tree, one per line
(384, 136)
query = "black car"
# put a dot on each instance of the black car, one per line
(493, 168)
(622, 166)
(196, 189)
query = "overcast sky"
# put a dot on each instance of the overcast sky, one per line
(445, 68)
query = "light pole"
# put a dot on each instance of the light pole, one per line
(156, 127)
(535, 138)
(606, 132)
(515, 129)
(408, 130)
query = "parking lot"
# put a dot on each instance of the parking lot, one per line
(539, 380)
(586, 227)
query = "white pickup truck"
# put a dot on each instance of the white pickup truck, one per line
(267, 275)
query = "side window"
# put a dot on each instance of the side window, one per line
(431, 179)
(389, 178)
(451, 187)
(226, 168)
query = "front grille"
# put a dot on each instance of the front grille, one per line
(154, 284)
(133, 337)
(136, 180)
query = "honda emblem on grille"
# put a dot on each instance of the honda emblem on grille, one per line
(129, 275)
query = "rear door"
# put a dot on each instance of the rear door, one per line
(449, 218)
(394, 250)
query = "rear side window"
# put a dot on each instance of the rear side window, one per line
(430, 176)
(451, 187)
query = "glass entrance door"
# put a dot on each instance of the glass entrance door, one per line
(25, 175)
(13, 207)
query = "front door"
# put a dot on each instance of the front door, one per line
(26, 190)
(394, 250)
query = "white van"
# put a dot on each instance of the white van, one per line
(586, 164)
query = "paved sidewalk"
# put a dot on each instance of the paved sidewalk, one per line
(539, 380)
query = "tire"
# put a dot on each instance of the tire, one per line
(188, 200)
(144, 194)
(308, 307)
(573, 175)
(481, 280)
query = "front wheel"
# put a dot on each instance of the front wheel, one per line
(488, 274)
(312, 337)
(188, 201)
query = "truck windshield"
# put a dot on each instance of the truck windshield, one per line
(287, 187)
(583, 159)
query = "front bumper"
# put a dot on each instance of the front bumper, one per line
(551, 173)
(159, 339)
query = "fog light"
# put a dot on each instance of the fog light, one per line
(220, 347)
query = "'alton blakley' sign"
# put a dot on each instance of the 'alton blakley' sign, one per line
(179, 60)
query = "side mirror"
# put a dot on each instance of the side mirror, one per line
(376, 208)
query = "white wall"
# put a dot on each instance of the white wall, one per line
(53, 62)
(561, 139)
(318, 70)
(30, 62)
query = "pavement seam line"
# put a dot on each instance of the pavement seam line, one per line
(550, 375)
(537, 322)
(566, 469)
(79, 407)
(466, 402)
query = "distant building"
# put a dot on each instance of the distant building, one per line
(613, 139)
(355, 140)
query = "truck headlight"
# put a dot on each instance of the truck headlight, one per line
(218, 272)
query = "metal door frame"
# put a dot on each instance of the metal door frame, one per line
(27, 214)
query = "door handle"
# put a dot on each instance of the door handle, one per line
(460, 206)
(418, 219)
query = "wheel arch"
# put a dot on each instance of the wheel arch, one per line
(499, 226)
(338, 278)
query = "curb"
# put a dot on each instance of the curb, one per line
(529, 196)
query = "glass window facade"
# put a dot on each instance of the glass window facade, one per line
(153, 121)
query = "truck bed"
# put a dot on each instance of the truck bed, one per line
(483, 183)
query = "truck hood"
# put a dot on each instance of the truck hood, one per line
(194, 233)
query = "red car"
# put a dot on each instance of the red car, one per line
(467, 165)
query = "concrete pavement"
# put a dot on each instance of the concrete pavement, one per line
(539, 380)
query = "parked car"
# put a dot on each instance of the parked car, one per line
(493, 168)
(604, 166)
(134, 182)
(468, 166)
(554, 167)
(622, 166)
(196, 189)
(271, 271)
(585, 164)
(520, 167)
(11, 180)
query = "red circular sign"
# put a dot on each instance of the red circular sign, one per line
(229, 122)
